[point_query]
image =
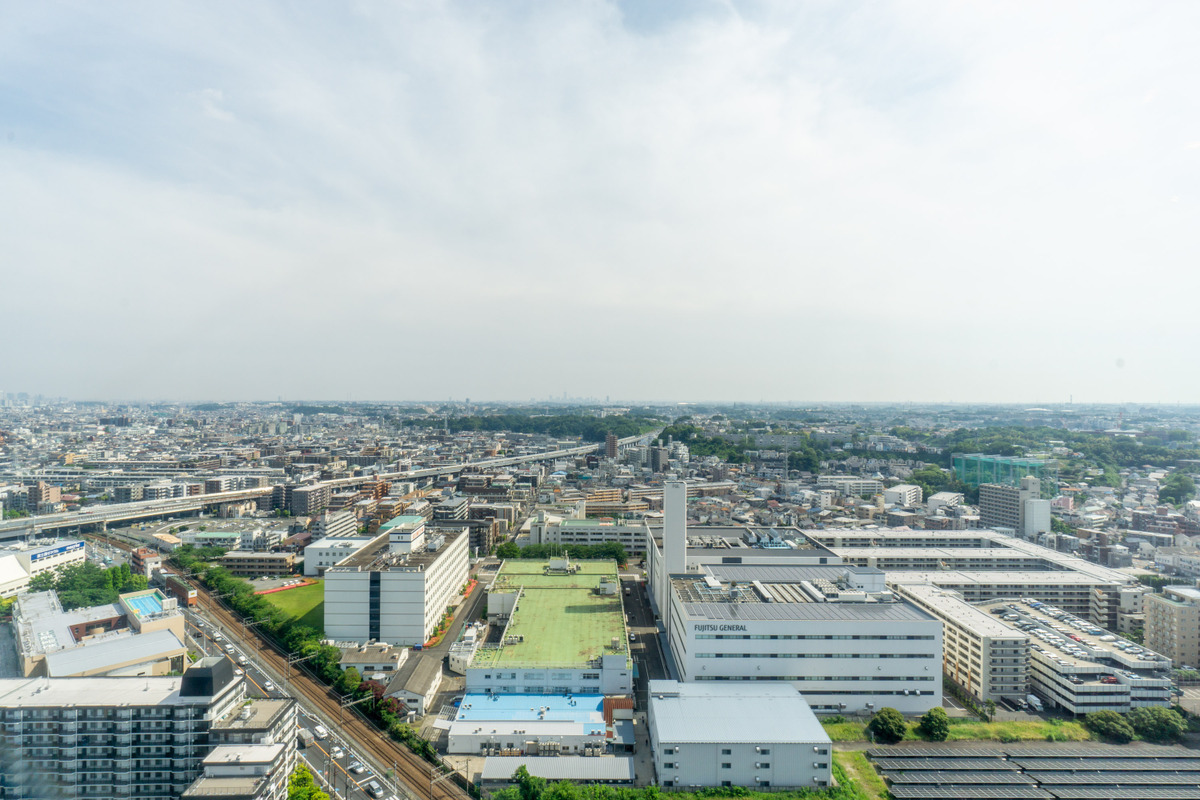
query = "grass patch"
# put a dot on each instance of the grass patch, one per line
(305, 604)
(859, 771)
(974, 730)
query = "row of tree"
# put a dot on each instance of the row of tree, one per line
(606, 551)
(1154, 723)
(87, 584)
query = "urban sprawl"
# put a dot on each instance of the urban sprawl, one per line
(446, 600)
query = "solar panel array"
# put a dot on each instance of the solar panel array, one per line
(1040, 772)
(965, 792)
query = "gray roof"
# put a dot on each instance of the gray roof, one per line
(773, 574)
(561, 768)
(899, 612)
(137, 648)
(755, 714)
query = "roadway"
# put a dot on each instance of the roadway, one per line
(646, 650)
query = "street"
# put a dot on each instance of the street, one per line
(322, 754)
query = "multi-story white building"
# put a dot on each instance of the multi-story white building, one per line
(632, 536)
(116, 737)
(336, 524)
(325, 553)
(755, 735)
(850, 486)
(397, 588)
(905, 494)
(20, 562)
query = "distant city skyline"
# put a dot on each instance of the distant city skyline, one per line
(749, 200)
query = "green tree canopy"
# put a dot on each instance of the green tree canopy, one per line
(1109, 725)
(888, 725)
(1177, 489)
(935, 725)
(1157, 724)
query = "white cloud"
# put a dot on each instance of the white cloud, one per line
(783, 192)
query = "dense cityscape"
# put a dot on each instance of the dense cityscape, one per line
(269, 600)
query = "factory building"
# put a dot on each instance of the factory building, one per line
(397, 588)
(744, 605)
(631, 536)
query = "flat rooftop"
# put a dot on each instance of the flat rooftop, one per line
(759, 714)
(264, 714)
(376, 556)
(560, 619)
(90, 692)
(525, 707)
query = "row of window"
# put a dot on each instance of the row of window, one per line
(795, 678)
(814, 655)
(883, 637)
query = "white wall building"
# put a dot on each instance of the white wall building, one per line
(21, 562)
(397, 588)
(340, 524)
(632, 536)
(323, 554)
(904, 494)
(760, 735)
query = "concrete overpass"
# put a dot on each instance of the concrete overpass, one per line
(146, 509)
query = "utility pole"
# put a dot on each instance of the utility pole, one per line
(436, 777)
(343, 704)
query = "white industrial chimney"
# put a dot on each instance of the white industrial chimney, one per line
(674, 527)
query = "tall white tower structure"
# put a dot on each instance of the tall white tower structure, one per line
(674, 528)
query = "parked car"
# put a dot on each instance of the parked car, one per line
(356, 767)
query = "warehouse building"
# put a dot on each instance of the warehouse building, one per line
(397, 588)
(759, 736)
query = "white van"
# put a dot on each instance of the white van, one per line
(320, 732)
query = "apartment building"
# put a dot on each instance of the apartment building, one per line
(252, 565)
(850, 486)
(112, 737)
(1019, 508)
(336, 524)
(904, 494)
(632, 535)
(309, 500)
(1173, 624)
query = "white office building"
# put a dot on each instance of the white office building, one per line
(19, 563)
(754, 735)
(397, 588)
(631, 535)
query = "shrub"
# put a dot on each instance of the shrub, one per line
(935, 725)
(888, 725)
(835, 719)
(1109, 725)
(1157, 724)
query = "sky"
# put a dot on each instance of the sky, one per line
(782, 201)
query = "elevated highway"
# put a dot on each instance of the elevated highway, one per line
(30, 527)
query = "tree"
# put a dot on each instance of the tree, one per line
(1156, 723)
(990, 708)
(350, 680)
(508, 550)
(529, 786)
(301, 785)
(1177, 489)
(1109, 725)
(935, 725)
(888, 725)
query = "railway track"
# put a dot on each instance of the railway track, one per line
(413, 771)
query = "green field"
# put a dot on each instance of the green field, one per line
(305, 603)
(973, 730)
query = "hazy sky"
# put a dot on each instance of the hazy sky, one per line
(782, 201)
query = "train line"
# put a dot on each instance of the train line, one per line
(413, 771)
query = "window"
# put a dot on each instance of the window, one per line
(668, 765)
(726, 752)
(726, 765)
(766, 751)
(668, 751)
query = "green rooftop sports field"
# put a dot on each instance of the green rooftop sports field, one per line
(564, 622)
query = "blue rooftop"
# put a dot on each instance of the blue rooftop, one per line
(579, 708)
